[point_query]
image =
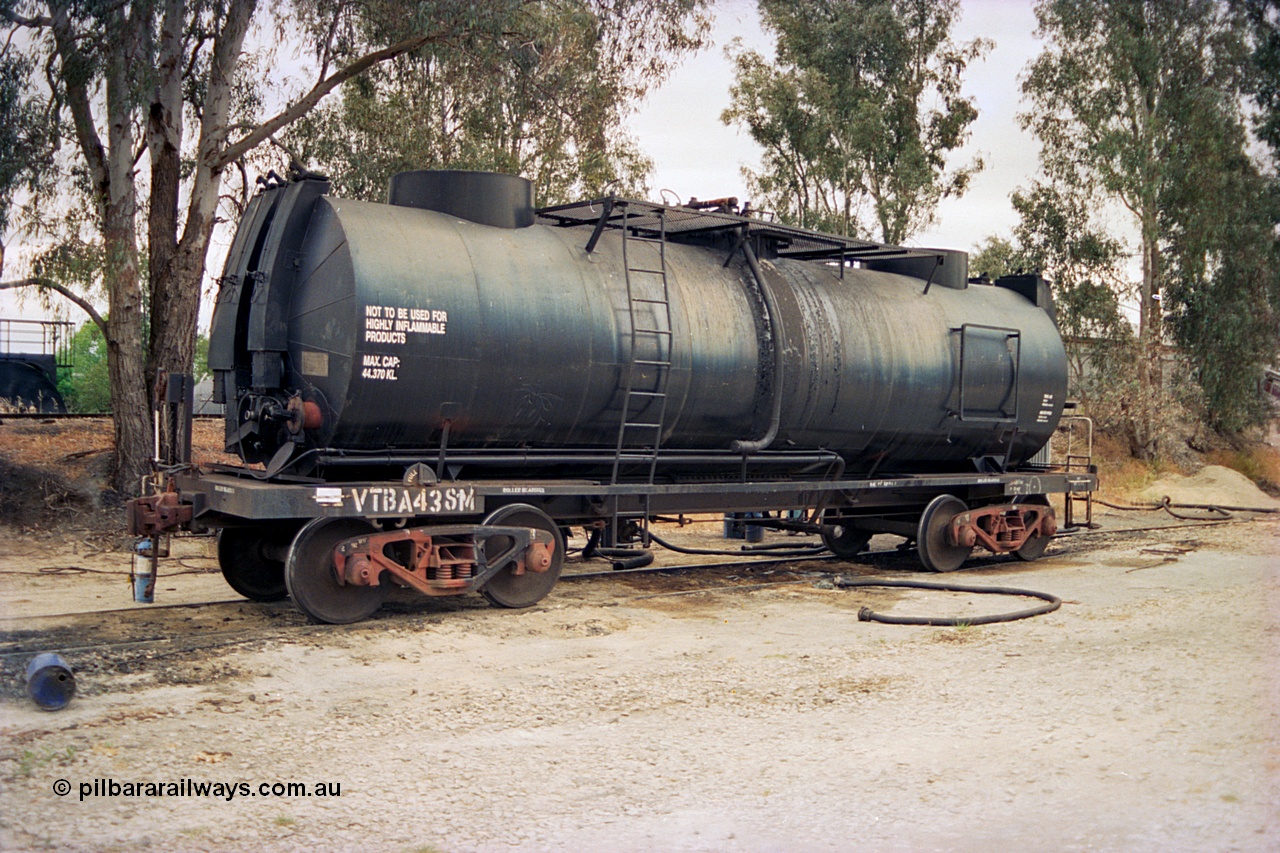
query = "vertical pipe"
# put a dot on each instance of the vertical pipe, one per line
(775, 328)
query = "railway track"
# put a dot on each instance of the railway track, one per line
(42, 417)
(127, 640)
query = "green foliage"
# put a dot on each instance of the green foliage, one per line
(1225, 290)
(1141, 101)
(1056, 235)
(1112, 86)
(25, 133)
(993, 258)
(86, 387)
(200, 370)
(858, 113)
(1264, 83)
(543, 96)
(1056, 238)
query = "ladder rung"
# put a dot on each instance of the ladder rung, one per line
(642, 269)
(634, 425)
(634, 239)
(651, 363)
(653, 331)
(648, 393)
(652, 301)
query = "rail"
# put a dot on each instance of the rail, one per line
(682, 224)
(19, 338)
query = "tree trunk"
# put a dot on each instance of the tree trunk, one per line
(1145, 441)
(175, 293)
(164, 144)
(125, 356)
(129, 398)
(176, 306)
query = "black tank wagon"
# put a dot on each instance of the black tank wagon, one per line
(428, 392)
(31, 353)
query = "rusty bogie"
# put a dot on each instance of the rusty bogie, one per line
(1002, 528)
(440, 560)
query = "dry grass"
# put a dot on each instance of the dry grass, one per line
(207, 441)
(67, 446)
(35, 496)
(49, 467)
(1259, 462)
(1120, 475)
(70, 445)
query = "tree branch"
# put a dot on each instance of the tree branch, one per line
(303, 105)
(34, 23)
(46, 284)
(77, 94)
(328, 42)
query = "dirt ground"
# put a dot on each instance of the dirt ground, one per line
(725, 709)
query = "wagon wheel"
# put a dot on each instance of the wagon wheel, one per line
(507, 589)
(931, 539)
(312, 579)
(847, 541)
(242, 556)
(1034, 547)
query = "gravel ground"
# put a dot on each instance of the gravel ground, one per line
(694, 712)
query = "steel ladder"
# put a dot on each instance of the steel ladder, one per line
(644, 398)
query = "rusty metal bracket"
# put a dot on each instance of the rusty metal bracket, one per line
(1002, 528)
(158, 513)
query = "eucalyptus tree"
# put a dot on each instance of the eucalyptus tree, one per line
(1140, 101)
(857, 113)
(1263, 17)
(545, 100)
(158, 100)
(25, 130)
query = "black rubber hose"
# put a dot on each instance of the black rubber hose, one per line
(593, 541)
(1222, 512)
(715, 552)
(866, 614)
(626, 558)
(784, 546)
(622, 558)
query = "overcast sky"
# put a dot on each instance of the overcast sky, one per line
(696, 155)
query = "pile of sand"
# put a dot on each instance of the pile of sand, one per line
(1214, 485)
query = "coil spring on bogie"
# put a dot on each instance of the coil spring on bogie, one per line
(457, 562)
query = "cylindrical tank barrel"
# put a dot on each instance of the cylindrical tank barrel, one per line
(403, 319)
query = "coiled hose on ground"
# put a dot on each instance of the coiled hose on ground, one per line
(866, 614)
(626, 558)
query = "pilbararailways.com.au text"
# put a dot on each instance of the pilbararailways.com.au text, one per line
(194, 788)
